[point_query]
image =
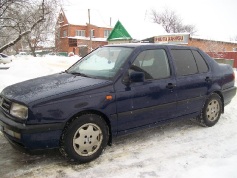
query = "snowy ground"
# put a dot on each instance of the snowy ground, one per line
(180, 149)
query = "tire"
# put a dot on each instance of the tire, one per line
(85, 138)
(211, 111)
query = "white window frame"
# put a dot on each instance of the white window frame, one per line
(106, 33)
(92, 33)
(64, 33)
(81, 33)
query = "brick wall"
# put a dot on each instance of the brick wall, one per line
(216, 49)
(212, 46)
(72, 29)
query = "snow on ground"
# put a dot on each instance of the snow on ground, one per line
(27, 68)
(180, 149)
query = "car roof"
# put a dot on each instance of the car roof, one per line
(134, 45)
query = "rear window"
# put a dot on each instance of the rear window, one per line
(202, 65)
(184, 61)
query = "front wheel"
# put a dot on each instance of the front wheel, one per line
(211, 111)
(85, 138)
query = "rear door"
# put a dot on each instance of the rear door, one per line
(193, 79)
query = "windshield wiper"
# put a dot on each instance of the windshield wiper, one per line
(79, 74)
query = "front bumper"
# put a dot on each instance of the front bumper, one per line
(31, 137)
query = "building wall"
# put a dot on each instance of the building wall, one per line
(62, 45)
(119, 41)
(212, 46)
(99, 31)
(72, 29)
(95, 44)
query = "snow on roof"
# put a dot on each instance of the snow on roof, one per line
(143, 29)
(77, 16)
(87, 38)
(121, 38)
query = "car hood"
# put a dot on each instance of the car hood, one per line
(48, 86)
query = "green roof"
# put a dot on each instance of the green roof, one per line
(119, 33)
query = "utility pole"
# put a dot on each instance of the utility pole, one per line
(90, 43)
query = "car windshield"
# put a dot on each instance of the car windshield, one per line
(104, 62)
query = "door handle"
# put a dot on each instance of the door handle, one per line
(208, 80)
(170, 85)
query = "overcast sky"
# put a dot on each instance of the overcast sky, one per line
(214, 19)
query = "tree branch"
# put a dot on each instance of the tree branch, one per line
(25, 32)
(14, 41)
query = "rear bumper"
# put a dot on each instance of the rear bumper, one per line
(228, 94)
(31, 137)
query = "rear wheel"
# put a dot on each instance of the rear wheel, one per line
(85, 138)
(211, 111)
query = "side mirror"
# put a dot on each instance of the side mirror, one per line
(133, 77)
(126, 80)
(137, 77)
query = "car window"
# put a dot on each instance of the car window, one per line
(154, 64)
(184, 62)
(202, 65)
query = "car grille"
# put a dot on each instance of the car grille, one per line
(5, 104)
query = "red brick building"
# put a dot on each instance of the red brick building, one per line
(217, 49)
(73, 31)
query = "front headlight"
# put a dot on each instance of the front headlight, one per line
(19, 111)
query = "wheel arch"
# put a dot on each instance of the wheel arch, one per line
(222, 99)
(84, 112)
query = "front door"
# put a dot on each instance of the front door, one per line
(149, 101)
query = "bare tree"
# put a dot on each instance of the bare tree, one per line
(44, 33)
(171, 22)
(234, 39)
(18, 18)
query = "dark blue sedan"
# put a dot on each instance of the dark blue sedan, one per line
(114, 90)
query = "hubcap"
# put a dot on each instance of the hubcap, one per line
(87, 139)
(213, 110)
